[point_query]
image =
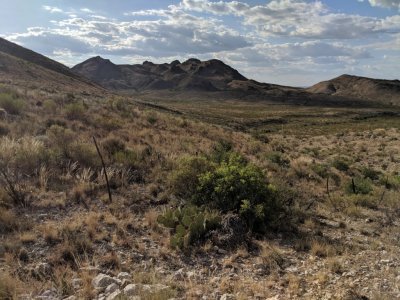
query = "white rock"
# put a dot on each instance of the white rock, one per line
(385, 261)
(102, 281)
(131, 290)
(180, 274)
(125, 282)
(155, 288)
(49, 295)
(114, 295)
(222, 251)
(124, 275)
(76, 283)
(191, 275)
(71, 298)
(101, 297)
(111, 288)
(227, 297)
(43, 269)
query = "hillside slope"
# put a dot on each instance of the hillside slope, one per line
(21, 66)
(387, 91)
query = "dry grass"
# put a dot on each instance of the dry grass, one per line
(58, 166)
(322, 249)
(271, 257)
(28, 237)
(9, 286)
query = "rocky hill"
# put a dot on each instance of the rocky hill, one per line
(387, 91)
(193, 74)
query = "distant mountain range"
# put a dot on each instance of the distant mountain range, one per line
(193, 74)
(18, 64)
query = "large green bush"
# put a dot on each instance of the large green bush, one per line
(238, 186)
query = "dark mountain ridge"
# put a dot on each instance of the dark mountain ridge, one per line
(215, 76)
(193, 74)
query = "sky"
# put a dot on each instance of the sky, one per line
(289, 42)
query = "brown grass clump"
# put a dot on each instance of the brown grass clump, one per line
(81, 192)
(8, 221)
(50, 234)
(110, 261)
(28, 237)
(10, 287)
(322, 249)
(271, 257)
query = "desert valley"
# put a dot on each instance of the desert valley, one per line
(188, 180)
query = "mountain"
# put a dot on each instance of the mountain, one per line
(193, 77)
(387, 91)
(21, 66)
(193, 74)
(201, 77)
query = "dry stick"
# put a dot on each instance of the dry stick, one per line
(104, 168)
(327, 187)
(384, 191)
(353, 185)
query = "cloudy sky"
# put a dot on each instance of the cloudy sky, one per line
(292, 42)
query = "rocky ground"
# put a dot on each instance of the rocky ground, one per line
(333, 258)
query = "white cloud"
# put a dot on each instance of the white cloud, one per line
(386, 3)
(52, 9)
(87, 10)
(280, 37)
(297, 19)
(175, 32)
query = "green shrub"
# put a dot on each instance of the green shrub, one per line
(185, 178)
(50, 106)
(390, 182)
(151, 117)
(221, 151)
(361, 186)
(60, 141)
(85, 154)
(370, 173)
(341, 164)
(113, 145)
(367, 201)
(322, 170)
(4, 130)
(50, 122)
(11, 103)
(189, 224)
(241, 187)
(278, 158)
(22, 156)
(75, 111)
(106, 123)
(127, 158)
